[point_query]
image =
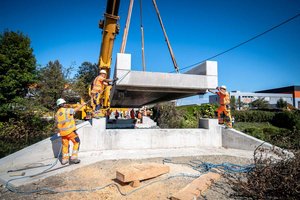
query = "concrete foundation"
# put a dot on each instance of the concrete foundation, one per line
(98, 143)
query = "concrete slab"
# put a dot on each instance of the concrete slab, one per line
(91, 157)
(138, 88)
(99, 144)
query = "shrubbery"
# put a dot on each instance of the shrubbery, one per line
(168, 116)
(287, 119)
(17, 134)
(184, 116)
(24, 127)
(253, 116)
(283, 128)
(270, 179)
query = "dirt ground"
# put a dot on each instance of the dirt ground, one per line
(103, 173)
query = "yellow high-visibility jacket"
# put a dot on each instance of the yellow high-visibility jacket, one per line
(65, 121)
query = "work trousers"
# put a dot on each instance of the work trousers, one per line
(224, 116)
(73, 137)
(96, 101)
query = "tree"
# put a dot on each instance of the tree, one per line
(239, 103)
(85, 76)
(260, 103)
(17, 66)
(281, 103)
(51, 84)
(233, 103)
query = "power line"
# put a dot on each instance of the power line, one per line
(242, 43)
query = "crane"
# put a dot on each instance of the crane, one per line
(111, 28)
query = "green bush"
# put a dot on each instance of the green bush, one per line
(17, 134)
(253, 116)
(169, 116)
(24, 126)
(287, 119)
(255, 132)
(282, 137)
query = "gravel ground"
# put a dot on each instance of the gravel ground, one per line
(103, 173)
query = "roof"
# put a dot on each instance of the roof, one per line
(282, 89)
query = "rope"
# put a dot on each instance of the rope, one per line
(204, 167)
(14, 189)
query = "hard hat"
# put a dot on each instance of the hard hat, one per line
(224, 87)
(60, 101)
(102, 71)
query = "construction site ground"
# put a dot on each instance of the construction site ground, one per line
(104, 172)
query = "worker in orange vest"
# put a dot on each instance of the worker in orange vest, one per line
(224, 115)
(97, 91)
(64, 118)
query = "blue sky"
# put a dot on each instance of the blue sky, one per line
(67, 30)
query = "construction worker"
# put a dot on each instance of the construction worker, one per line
(64, 118)
(224, 108)
(98, 89)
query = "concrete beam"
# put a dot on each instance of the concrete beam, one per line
(137, 88)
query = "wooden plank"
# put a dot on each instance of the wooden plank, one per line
(135, 183)
(197, 187)
(139, 172)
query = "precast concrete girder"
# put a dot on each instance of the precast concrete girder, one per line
(138, 88)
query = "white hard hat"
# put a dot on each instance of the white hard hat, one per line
(60, 101)
(224, 87)
(102, 71)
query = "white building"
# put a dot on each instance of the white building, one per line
(248, 97)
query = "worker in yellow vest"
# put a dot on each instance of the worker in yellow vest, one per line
(224, 115)
(64, 119)
(98, 87)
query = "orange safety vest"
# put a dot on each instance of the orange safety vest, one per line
(65, 121)
(224, 98)
(98, 84)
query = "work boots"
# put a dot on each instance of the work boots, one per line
(64, 161)
(74, 161)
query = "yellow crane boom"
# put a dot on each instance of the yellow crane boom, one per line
(110, 29)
